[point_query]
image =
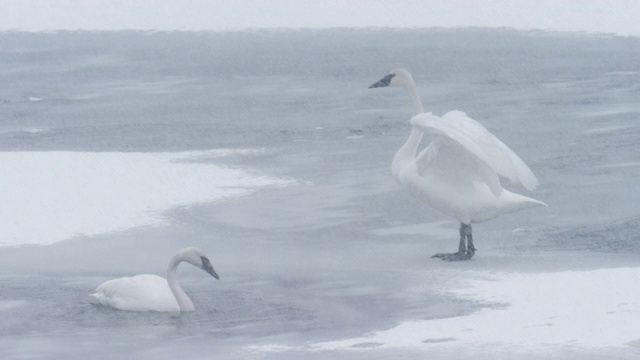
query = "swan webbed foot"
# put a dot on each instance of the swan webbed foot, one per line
(456, 256)
(466, 250)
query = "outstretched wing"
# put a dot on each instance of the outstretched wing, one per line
(456, 126)
(452, 159)
(504, 161)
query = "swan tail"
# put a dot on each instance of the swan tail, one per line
(508, 202)
(515, 202)
(98, 298)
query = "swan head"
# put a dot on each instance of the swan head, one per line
(197, 258)
(397, 77)
(206, 266)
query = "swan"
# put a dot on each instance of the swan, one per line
(458, 173)
(151, 292)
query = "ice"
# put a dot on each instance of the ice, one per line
(437, 229)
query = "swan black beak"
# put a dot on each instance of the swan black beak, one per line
(206, 266)
(383, 82)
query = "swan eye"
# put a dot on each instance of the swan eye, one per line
(205, 262)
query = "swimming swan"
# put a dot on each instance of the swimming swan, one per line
(458, 173)
(152, 292)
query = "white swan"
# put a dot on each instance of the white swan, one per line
(152, 292)
(458, 173)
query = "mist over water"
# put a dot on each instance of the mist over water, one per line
(320, 253)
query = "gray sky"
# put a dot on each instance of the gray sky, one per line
(607, 16)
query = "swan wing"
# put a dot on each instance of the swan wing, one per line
(498, 155)
(137, 293)
(452, 159)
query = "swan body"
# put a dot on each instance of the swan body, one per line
(458, 173)
(151, 292)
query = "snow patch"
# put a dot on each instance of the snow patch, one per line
(11, 304)
(48, 197)
(593, 309)
(608, 129)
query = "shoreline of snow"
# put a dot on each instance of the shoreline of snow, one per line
(522, 313)
(591, 309)
(53, 196)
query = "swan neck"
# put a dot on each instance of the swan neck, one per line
(412, 90)
(183, 300)
(407, 152)
(413, 141)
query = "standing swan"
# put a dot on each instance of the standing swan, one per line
(152, 292)
(458, 173)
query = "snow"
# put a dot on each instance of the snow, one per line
(52, 196)
(526, 313)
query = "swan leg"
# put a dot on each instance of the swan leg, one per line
(466, 250)
(471, 250)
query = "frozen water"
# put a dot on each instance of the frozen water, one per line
(267, 150)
